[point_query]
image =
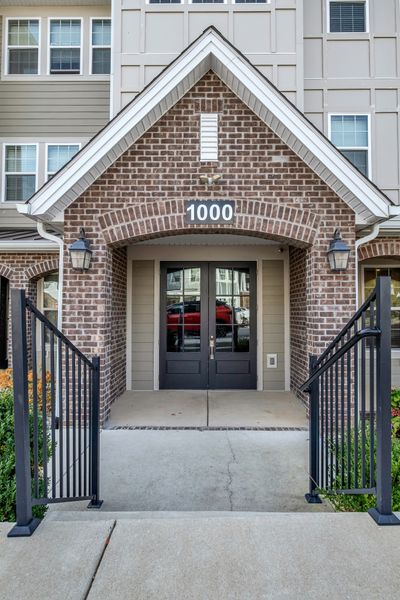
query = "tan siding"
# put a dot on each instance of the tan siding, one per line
(12, 219)
(53, 108)
(273, 323)
(142, 324)
(40, 108)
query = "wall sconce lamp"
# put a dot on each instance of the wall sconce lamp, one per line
(338, 253)
(80, 252)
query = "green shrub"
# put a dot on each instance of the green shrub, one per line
(362, 502)
(7, 459)
(396, 413)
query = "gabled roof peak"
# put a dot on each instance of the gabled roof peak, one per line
(211, 51)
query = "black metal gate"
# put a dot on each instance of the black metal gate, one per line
(56, 416)
(350, 409)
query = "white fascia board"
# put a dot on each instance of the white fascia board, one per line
(24, 246)
(60, 189)
(304, 133)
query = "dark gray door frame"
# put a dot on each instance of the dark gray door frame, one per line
(197, 370)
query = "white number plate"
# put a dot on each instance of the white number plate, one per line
(206, 211)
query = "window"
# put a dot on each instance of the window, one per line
(350, 135)
(347, 17)
(58, 155)
(209, 136)
(164, 1)
(65, 46)
(23, 47)
(207, 1)
(20, 172)
(251, 1)
(49, 298)
(370, 275)
(101, 46)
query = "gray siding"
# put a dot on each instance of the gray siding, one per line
(57, 108)
(150, 36)
(143, 325)
(273, 323)
(42, 108)
(11, 219)
(358, 73)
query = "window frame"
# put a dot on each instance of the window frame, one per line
(4, 201)
(46, 157)
(7, 47)
(207, 3)
(91, 47)
(49, 47)
(368, 147)
(348, 33)
(383, 265)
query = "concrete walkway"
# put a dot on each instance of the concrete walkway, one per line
(214, 408)
(204, 471)
(201, 557)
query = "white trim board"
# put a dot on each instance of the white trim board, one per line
(210, 51)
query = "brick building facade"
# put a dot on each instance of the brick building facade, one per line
(128, 190)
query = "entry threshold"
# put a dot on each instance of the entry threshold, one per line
(189, 428)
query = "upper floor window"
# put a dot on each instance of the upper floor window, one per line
(58, 155)
(347, 17)
(23, 47)
(350, 134)
(65, 46)
(20, 172)
(101, 46)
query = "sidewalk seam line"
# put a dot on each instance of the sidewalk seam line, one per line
(106, 543)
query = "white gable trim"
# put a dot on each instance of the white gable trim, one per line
(210, 51)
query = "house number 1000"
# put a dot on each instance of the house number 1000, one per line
(210, 212)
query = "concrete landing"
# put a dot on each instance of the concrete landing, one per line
(204, 471)
(214, 408)
(202, 557)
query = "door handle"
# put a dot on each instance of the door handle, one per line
(212, 347)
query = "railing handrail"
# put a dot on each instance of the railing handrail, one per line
(358, 336)
(41, 317)
(347, 327)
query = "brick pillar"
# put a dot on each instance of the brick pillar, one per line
(321, 301)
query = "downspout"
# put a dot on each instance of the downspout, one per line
(60, 243)
(360, 242)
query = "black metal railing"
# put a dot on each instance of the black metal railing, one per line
(56, 416)
(350, 408)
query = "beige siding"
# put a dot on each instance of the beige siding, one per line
(150, 36)
(358, 73)
(273, 323)
(56, 108)
(143, 325)
(53, 108)
(10, 218)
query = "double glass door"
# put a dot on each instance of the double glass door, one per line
(208, 326)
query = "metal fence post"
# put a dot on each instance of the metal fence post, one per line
(95, 431)
(383, 514)
(25, 524)
(312, 497)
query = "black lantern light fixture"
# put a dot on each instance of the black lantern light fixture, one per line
(81, 253)
(338, 253)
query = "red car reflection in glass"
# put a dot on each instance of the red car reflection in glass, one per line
(191, 317)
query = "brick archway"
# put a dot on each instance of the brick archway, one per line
(41, 269)
(148, 220)
(6, 272)
(379, 248)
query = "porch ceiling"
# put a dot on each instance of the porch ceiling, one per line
(210, 51)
